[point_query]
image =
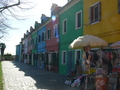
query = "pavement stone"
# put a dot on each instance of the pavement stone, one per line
(20, 76)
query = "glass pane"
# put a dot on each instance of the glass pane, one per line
(96, 13)
(79, 20)
(64, 26)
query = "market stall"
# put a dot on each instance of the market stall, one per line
(86, 43)
(101, 63)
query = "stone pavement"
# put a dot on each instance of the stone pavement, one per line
(20, 76)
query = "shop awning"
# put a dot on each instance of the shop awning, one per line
(115, 45)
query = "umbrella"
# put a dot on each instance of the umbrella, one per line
(88, 40)
(115, 45)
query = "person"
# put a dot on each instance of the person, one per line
(2, 59)
(86, 59)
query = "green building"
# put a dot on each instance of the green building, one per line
(71, 26)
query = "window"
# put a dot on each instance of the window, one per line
(39, 38)
(77, 54)
(64, 26)
(119, 6)
(42, 36)
(95, 11)
(56, 30)
(78, 20)
(64, 57)
(48, 34)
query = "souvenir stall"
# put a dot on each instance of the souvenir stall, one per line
(99, 64)
(114, 80)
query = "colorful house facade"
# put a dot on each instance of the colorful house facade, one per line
(41, 43)
(52, 39)
(34, 47)
(30, 46)
(18, 53)
(71, 20)
(102, 20)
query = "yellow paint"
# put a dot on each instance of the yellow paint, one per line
(109, 26)
(92, 70)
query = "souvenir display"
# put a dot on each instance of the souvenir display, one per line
(100, 64)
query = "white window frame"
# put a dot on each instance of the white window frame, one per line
(63, 31)
(77, 19)
(64, 61)
(76, 54)
(56, 25)
(94, 5)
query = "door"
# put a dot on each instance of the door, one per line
(70, 62)
(49, 60)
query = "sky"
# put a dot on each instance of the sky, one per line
(14, 36)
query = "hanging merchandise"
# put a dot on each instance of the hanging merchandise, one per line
(94, 59)
(105, 57)
(111, 55)
(99, 61)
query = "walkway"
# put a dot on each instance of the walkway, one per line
(20, 76)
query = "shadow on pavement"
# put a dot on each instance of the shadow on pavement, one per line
(45, 80)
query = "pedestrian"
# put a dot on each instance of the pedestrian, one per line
(2, 58)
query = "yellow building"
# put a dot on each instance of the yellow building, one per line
(102, 19)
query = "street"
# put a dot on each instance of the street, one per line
(20, 76)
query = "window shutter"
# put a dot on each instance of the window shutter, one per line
(119, 6)
(90, 15)
(99, 6)
(50, 34)
(45, 36)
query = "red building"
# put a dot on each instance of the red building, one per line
(52, 39)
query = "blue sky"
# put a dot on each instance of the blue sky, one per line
(14, 36)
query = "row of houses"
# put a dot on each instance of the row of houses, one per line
(49, 40)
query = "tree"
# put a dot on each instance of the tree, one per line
(5, 5)
(10, 8)
(3, 46)
(8, 56)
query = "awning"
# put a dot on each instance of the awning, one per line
(115, 45)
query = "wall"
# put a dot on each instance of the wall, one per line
(72, 33)
(108, 28)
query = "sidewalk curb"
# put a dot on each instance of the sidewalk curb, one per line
(4, 85)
